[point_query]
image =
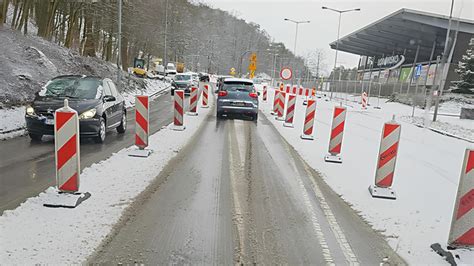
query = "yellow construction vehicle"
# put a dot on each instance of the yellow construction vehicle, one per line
(139, 67)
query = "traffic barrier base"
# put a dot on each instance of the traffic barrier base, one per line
(307, 137)
(66, 200)
(382, 192)
(286, 124)
(333, 158)
(142, 153)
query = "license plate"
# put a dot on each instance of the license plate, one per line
(49, 121)
(239, 103)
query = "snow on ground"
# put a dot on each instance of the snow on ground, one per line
(33, 234)
(426, 176)
(12, 120)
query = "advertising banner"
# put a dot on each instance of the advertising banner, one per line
(405, 74)
(431, 75)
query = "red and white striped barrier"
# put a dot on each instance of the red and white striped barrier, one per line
(276, 99)
(281, 106)
(66, 142)
(462, 223)
(309, 120)
(205, 96)
(290, 110)
(142, 125)
(337, 133)
(281, 86)
(294, 91)
(300, 92)
(67, 155)
(306, 92)
(386, 161)
(288, 88)
(193, 99)
(264, 96)
(364, 100)
(178, 123)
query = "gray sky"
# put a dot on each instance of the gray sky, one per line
(323, 27)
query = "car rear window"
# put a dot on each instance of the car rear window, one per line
(238, 86)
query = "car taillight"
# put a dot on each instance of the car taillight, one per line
(222, 93)
(253, 94)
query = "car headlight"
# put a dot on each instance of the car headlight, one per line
(30, 111)
(88, 114)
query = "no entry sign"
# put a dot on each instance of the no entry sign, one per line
(286, 73)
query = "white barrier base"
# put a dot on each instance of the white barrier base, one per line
(333, 158)
(308, 137)
(178, 128)
(288, 124)
(382, 192)
(192, 113)
(205, 106)
(280, 118)
(273, 113)
(140, 153)
(305, 102)
(66, 200)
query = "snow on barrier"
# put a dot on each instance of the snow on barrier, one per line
(281, 106)
(178, 123)
(67, 155)
(364, 100)
(337, 133)
(386, 161)
(193, 102)
(264, 97)
(205, 97)
(309, 120)
(290, 110)
(276, 100)
(142, 125)
(462, 223)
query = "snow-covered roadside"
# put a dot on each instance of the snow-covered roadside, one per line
(426, 177)
(12, 121)
(33, 234)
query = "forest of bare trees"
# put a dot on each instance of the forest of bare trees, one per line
(206, 39)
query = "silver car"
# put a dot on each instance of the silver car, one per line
(237, 97)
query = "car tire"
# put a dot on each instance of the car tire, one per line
(123, 124)
(35, 137)
(219, 115)
(100, 138)
(255, 117)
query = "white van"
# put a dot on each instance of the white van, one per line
(170, 69)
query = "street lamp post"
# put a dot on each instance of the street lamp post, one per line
(119, 45)
(297, 23)
(165, 59)
(337, 41)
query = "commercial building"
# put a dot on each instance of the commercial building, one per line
(405, 48)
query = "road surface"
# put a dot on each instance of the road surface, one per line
(27, 168)
(238, 194)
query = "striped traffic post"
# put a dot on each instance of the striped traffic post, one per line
(462, 223)
(276, 100)
(290, 110)
(288, 88)
(281, 86)
(364, 100)
(386, 161)
(300, 92)
(294, 90)
(264, 97)
(337, 133)
(178, 123)
(309, 120)
(205, 97)
(281, 106)
(67, 153)
(193, 99)
(142, 126)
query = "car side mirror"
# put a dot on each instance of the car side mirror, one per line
(258, 93)
(109, 98)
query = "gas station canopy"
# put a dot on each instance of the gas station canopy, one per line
(401, 32)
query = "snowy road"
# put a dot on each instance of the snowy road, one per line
(239, 194)
(27, 168)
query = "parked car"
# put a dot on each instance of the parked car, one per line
(237, 96)
(182, 81)
(98, 103)
(170, 69)
(220, 80)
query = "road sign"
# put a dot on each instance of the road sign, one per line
(286, 73)
(418, 70)
(232, 71)
(253, 65)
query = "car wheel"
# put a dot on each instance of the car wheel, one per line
(219, 115)
(35, 137)
(172, 92)
(123, 125)
(255, 117)
(102, 130)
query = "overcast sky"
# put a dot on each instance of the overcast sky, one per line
(323, 27)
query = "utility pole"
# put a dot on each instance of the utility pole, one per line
(294, 47)
(165, 59)
(119, 45)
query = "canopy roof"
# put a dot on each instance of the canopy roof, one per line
(402, 31)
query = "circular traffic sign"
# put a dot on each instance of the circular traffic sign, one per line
(286, 73)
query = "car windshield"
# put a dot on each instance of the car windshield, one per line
(182, 77)
(237, 86)
(73, 87)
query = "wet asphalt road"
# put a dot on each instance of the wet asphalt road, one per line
(27, 168)
(238, 194)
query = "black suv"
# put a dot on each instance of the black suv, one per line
(98, 103)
